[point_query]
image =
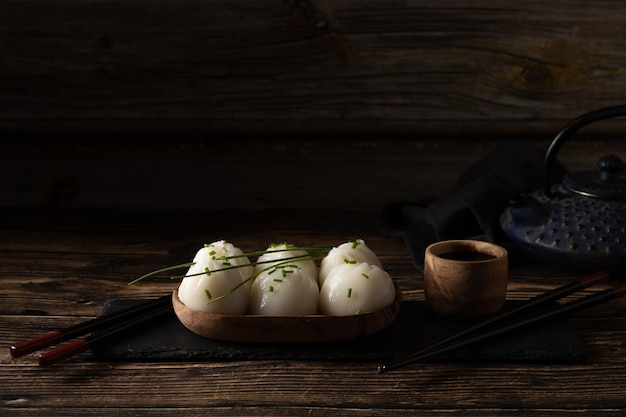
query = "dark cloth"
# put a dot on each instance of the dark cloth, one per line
(472, 208)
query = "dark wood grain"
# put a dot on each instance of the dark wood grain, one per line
(182, 172)
(309, 66)
(58, 268)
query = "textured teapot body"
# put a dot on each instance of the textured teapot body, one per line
(580, 223)
(568, 229)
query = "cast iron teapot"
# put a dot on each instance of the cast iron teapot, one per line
(581, 222)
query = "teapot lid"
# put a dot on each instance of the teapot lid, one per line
(607, 183)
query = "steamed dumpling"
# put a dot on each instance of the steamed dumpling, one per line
(356, 288)
(204, 283)
(349, 252)
(284, 291)
(277, 253)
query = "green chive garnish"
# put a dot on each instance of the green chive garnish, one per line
(208, 293)
(314, 253)
(349, 292)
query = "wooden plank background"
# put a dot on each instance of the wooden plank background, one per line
(142, 104)
(455, 68)
(234, 173)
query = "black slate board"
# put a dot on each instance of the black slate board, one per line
(415, 327)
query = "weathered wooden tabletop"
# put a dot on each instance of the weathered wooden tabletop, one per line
(59, 267)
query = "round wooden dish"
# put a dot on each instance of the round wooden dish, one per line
(285, 329)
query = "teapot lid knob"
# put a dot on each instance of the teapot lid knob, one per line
(610, 164)
(609, 183)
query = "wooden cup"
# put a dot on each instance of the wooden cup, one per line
(465, 279)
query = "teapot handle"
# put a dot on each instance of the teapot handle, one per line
(568, 130)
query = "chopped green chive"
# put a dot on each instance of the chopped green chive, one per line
(356, 243)
(208, 293)
(357, 312)
(271, 289)
(366, 276)
(348, 261)
(318, 253)
(349, 292)
(278, 280)
(282, 269)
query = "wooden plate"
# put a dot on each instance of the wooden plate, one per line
(285, 329)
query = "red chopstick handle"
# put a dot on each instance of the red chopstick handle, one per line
(36, 344)
(63, 352)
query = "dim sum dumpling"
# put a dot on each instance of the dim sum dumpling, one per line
(356, 288)
(285, 290)
(350, 252)
(200, 289)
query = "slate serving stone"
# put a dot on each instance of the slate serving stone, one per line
(415, 327)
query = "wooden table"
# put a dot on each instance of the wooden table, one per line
(59, 267)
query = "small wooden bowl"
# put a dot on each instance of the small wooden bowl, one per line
(285, 329)
(465, 279)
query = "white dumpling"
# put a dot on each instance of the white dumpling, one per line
(350, 252)
(200, 289)
(226, 255)
(356, 288)
(284, 291)
(277, 253)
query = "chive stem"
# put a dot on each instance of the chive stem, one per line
(158, 271)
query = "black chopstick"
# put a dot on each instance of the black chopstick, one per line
(83, 344)
(491, 328)
(558, 311)
(81, 329)
(533, 303)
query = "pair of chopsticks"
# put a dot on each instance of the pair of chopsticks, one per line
(532, 312)
(92, 333)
